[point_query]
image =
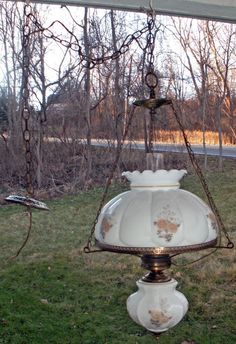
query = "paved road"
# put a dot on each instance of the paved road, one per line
(228, 151)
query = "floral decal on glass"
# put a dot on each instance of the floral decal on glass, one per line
(106, 225)
(213, 221)
(167, 223)
(160, 316)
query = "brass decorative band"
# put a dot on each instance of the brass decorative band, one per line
(156, 250)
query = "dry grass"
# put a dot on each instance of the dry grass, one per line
(194, 136)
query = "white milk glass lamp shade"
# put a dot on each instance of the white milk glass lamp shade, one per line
(156, 217)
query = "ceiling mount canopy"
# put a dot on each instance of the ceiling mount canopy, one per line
(203, 9)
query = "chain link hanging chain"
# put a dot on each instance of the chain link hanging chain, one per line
(25, 118)
(25, 107)
(25, 124)
(151, 78)
(89, 61)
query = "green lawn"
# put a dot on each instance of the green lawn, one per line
(53, 293)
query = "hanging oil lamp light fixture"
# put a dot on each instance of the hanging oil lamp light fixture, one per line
(156, 220)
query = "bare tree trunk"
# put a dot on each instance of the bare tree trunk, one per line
(218, 112)
(204, 105)
(38, 152)
(204, 133)
(126, 106)
(39, 141)
(118, 100)
(9, 17)
(87, 99)
(142, 93)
